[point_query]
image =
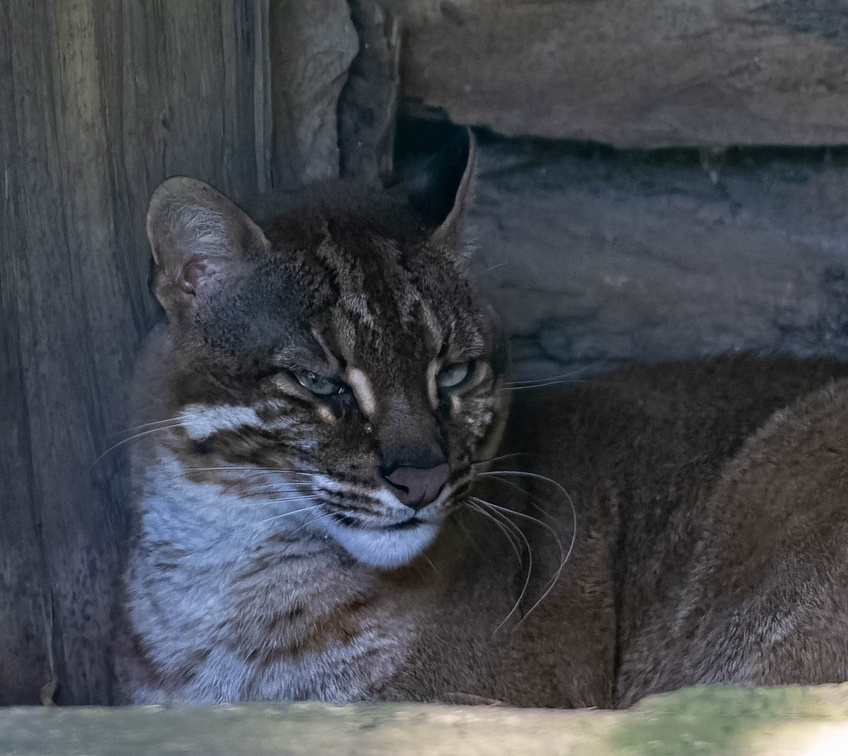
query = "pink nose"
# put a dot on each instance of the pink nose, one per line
(416, 487)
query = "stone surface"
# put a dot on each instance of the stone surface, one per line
(642, 73)
(368, 103)
(753, 722)
(596, 257)
(312, 44)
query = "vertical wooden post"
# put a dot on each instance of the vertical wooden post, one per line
(99, 101)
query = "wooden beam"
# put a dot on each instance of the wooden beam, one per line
(98, 103)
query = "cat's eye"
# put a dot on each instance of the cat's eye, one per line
(319, 384)
(455, 375)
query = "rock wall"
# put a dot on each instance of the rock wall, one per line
(596, 257)
(633, 73)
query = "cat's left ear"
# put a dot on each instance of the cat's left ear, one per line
(442, 191)
(198, 238)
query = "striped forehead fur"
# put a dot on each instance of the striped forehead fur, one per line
(363, 390)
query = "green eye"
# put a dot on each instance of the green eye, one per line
(318, 384)
(453, 376)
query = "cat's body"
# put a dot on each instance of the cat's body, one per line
(314, 521)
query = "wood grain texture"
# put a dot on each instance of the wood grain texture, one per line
(643, 73)
(98, 103)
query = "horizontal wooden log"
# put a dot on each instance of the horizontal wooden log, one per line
(755, 722)
(645, 73)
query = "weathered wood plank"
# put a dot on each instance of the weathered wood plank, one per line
(100, 101)
(634, 74)
(22, 578)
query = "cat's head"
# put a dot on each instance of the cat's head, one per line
(343, 344)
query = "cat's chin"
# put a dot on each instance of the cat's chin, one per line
(386, 548)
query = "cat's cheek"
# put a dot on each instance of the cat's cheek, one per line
(384, 548)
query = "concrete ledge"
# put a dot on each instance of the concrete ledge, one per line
(706, 720)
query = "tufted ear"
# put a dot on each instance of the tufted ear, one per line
(198, 238)
(441, 190)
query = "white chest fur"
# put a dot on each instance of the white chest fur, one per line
(236, 598)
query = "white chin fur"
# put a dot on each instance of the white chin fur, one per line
(384, 548)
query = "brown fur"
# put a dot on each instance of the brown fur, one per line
(651, 452)
(705, 550)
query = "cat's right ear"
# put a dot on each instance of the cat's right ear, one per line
(198, 237)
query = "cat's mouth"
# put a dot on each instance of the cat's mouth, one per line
(381, 545)
(353, 522)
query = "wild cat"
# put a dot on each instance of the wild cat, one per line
(332, 503)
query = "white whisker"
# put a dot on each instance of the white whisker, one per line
(133, 438)
(462, 526)
(133, 428)
(258, 500)
(545, 384)
(509, 536)
(249, 468)
(495, 267)
(521, 595)
(287, 514)
(534, 501)
(569, 374)
(497, 459)
(555, 577)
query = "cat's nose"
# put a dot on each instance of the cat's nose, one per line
(416, 487)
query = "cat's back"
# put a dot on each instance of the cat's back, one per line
(732, 567)
(644, 453)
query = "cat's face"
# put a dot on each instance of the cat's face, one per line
(343, 349)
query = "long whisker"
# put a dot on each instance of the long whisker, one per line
(569, 374)
(545, 384)
(509, 535)
(534, 501)
(286, 514)
(143, 425)
(559, 486)
(249, 468)
(133, 438)
(546, 479)
(498, 458)
(309, 522)
(494, 267)
(271, 490)
(430, 562)
(532, 519)
(521, 595)
(464, 528)
(247, 503)
(563, 557)
(537, 476)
